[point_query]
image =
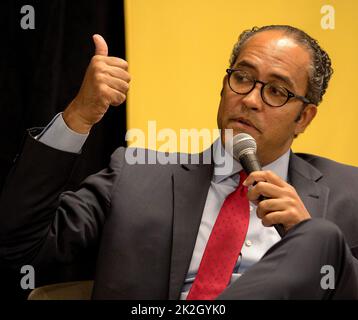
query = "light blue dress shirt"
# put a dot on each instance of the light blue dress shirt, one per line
(258, 239)
(58, 136)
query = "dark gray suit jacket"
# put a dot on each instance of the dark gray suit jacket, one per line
(142, 220)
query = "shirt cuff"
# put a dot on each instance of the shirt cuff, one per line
(59, 136)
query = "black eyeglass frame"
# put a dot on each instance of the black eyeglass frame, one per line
(290, 94)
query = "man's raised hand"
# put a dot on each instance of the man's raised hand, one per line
(106, 83)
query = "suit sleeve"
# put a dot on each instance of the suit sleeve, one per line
(40, 222)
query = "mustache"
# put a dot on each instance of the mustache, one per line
(247, 121)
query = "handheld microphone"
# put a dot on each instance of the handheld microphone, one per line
(244, 151)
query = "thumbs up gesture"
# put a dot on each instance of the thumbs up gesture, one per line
(106, 83)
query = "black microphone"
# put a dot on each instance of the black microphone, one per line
(244, 151)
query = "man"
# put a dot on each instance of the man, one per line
(157, 226)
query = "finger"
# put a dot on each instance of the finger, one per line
(269, 205)
(264, 189)
(117, 84)
(101, 45)
(116, 62)
(111, 62)
(253, 177)
(276, 217)
(267, 175)
(108, 96)
(118, 73)
(282, 217)
(116, 97)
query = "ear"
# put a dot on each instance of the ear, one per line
(223, 87)
(307, 115)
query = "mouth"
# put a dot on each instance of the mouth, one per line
(245, 124)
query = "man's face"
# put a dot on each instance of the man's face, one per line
(269, 56)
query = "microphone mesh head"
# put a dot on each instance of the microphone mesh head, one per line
(243, 143)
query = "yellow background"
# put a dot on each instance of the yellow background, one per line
(178, 51)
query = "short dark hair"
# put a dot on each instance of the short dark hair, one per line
(320, 70)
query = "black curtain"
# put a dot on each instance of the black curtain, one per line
(40, 73)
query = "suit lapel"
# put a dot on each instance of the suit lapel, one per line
(303, 177)
(190, 187)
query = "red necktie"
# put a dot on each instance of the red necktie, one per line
(223, 247)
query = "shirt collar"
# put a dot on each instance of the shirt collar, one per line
(279, 166)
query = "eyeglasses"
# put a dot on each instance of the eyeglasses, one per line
(272, 94)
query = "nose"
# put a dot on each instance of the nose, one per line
(253, 99)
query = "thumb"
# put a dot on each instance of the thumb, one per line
(101, 45)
